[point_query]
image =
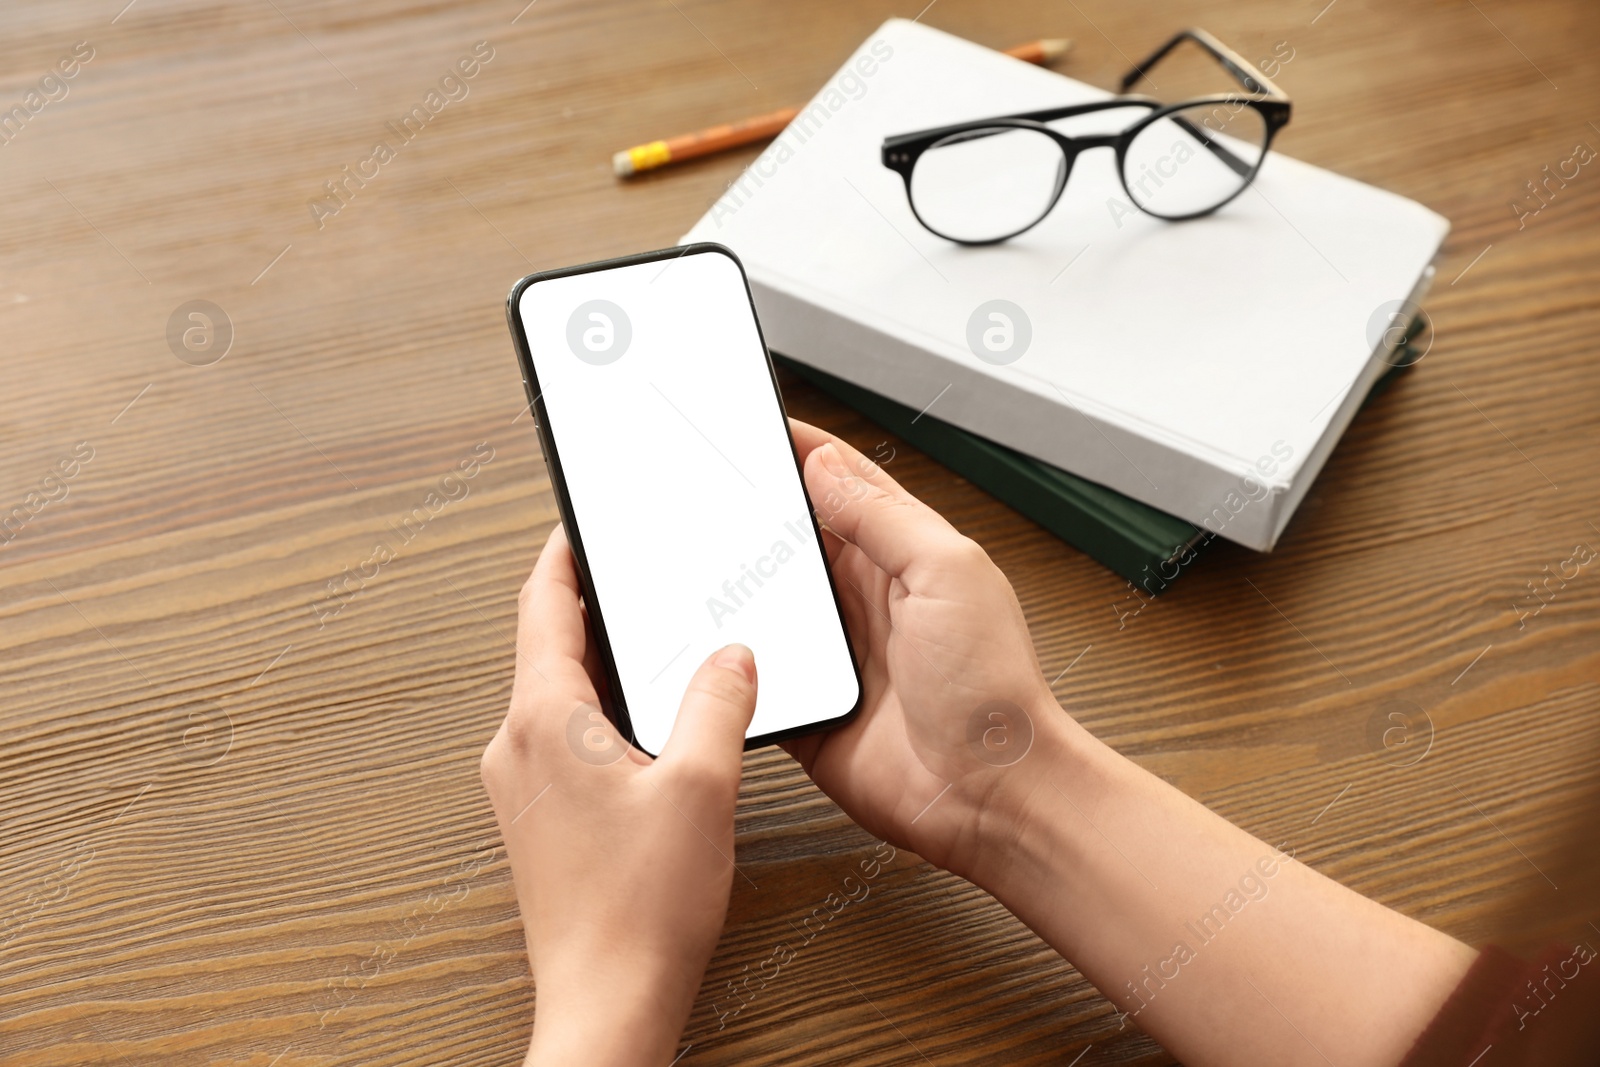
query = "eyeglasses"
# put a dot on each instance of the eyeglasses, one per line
(982, 182)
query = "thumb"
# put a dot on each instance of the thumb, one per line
(708, 737)
(894, 529)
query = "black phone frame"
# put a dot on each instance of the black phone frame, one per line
(616, 709)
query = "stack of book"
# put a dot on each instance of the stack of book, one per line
(1179, 381)
(1143, 544)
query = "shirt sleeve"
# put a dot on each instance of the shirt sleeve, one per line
(1511, 1012)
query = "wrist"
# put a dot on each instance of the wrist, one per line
(1016, 815)
(1078, 827)
(598, 1017)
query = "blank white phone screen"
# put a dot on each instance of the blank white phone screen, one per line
(684, 488)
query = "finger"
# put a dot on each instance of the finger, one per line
(550, 620)
(550, 629)
(803, 750)
(864, 598)
(833, 545)
(592, 665)
(892, 528)
(864, 466)
(707, 739)
(807, 437)
(853, 575)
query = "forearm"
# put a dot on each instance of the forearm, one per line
(1214, 942)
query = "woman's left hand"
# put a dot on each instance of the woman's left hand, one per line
(623, 865)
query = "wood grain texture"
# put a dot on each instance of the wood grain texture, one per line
(233, 835)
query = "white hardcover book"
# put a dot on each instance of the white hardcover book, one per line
(1204, 367)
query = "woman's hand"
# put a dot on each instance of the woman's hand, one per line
(954, 697)
(622, 865)
(1240, 956)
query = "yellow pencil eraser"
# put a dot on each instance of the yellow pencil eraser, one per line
(641, 157)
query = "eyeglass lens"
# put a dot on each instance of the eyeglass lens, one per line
(982, 185)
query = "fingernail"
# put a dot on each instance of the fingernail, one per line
(832, 461)
(737, 658)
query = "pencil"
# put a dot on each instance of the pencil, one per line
(1043, 52)
(701, 142)
(655, 154)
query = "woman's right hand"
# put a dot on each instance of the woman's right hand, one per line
(962, 755)
(954, 699)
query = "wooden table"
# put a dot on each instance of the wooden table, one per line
(242, 829)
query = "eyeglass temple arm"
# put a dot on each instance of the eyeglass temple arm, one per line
(1216, 148)
(1231, 61)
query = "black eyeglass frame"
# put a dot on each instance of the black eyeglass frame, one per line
(901, 152)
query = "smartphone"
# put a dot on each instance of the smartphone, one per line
(680, 489)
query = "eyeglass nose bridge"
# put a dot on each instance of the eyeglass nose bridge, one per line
(1083, 144)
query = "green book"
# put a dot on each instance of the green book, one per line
(1146, 546)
